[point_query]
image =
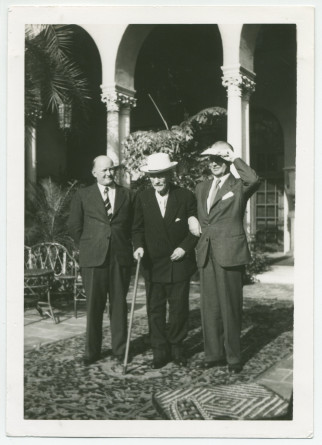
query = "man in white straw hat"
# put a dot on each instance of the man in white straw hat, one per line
(161, 236)
(222, 253)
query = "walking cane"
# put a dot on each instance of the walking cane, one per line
(132, 313)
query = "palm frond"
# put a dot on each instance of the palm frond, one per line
(52, 77)
(46, 212)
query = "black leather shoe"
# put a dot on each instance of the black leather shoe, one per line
(120, 359)
(90, 361)
(182, 362)
(159, 363)
(211, 364)
(235, 368)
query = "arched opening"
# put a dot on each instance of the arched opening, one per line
(64, 154)
(273, 131)
(127, 54)
(247, 46)
(179, 67)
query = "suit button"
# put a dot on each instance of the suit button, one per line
(207, 239)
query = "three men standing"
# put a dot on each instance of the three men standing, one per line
(164, 232)
(100, 222)
(222, 252)
(161, 237)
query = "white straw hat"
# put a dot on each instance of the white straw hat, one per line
(158, 162)
(217, 149)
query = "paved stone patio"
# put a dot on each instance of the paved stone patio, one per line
(59, 386)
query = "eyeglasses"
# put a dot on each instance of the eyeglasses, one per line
(215, 158)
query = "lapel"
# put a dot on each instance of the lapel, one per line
(119, 199)
(98, 200)
(171, 207)
(154, 206)
(226, 187)
(204, 194)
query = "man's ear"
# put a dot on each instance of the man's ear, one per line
(94, 174)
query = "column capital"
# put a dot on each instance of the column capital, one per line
(238, 81)
(114, 99)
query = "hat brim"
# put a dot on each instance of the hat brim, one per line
(145, 168)
(213, 152)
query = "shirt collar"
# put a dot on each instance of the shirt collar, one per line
(161, 196)
(102, 187)
(222, 179)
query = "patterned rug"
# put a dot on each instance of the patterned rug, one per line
(58, 386)
(248, 401)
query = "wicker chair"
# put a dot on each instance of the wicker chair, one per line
(50, 270)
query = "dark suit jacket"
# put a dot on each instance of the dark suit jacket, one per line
(160, 236)
(223, 228)
(94, 233)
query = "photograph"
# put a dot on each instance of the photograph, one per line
(158, 160)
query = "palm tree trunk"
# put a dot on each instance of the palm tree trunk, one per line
(30, 155)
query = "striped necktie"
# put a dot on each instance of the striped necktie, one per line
(107, 204)
(213, 194)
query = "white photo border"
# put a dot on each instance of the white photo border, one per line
(302, 423)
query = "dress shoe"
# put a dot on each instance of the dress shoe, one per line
(211, 364)
(235, 368)
(159, 363)
(90, 361)
(180, 360)
(118, 359)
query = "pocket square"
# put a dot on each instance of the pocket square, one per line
(178, 219)
(228, 195)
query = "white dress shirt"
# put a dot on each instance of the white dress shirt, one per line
(162, 201)
(111, 193)
(213, 185)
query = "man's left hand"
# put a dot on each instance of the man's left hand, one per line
(228, 155)
(177, 254)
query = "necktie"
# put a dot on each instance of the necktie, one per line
(107, 204)
(213, 194)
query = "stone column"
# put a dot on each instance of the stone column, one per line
(127, 102)
(111, 99)
(118, 105)
(240, 85)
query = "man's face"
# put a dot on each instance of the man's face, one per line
(217, 166)
(161, 181)
(104, 171)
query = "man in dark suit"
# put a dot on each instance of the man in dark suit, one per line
(222, 252)
(100, 222)
(161, 236)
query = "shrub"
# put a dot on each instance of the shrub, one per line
(183, 143)
(46, 213)
(258, 264)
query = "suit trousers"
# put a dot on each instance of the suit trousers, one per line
(221, 303)
(177, 295)
(114, 279)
